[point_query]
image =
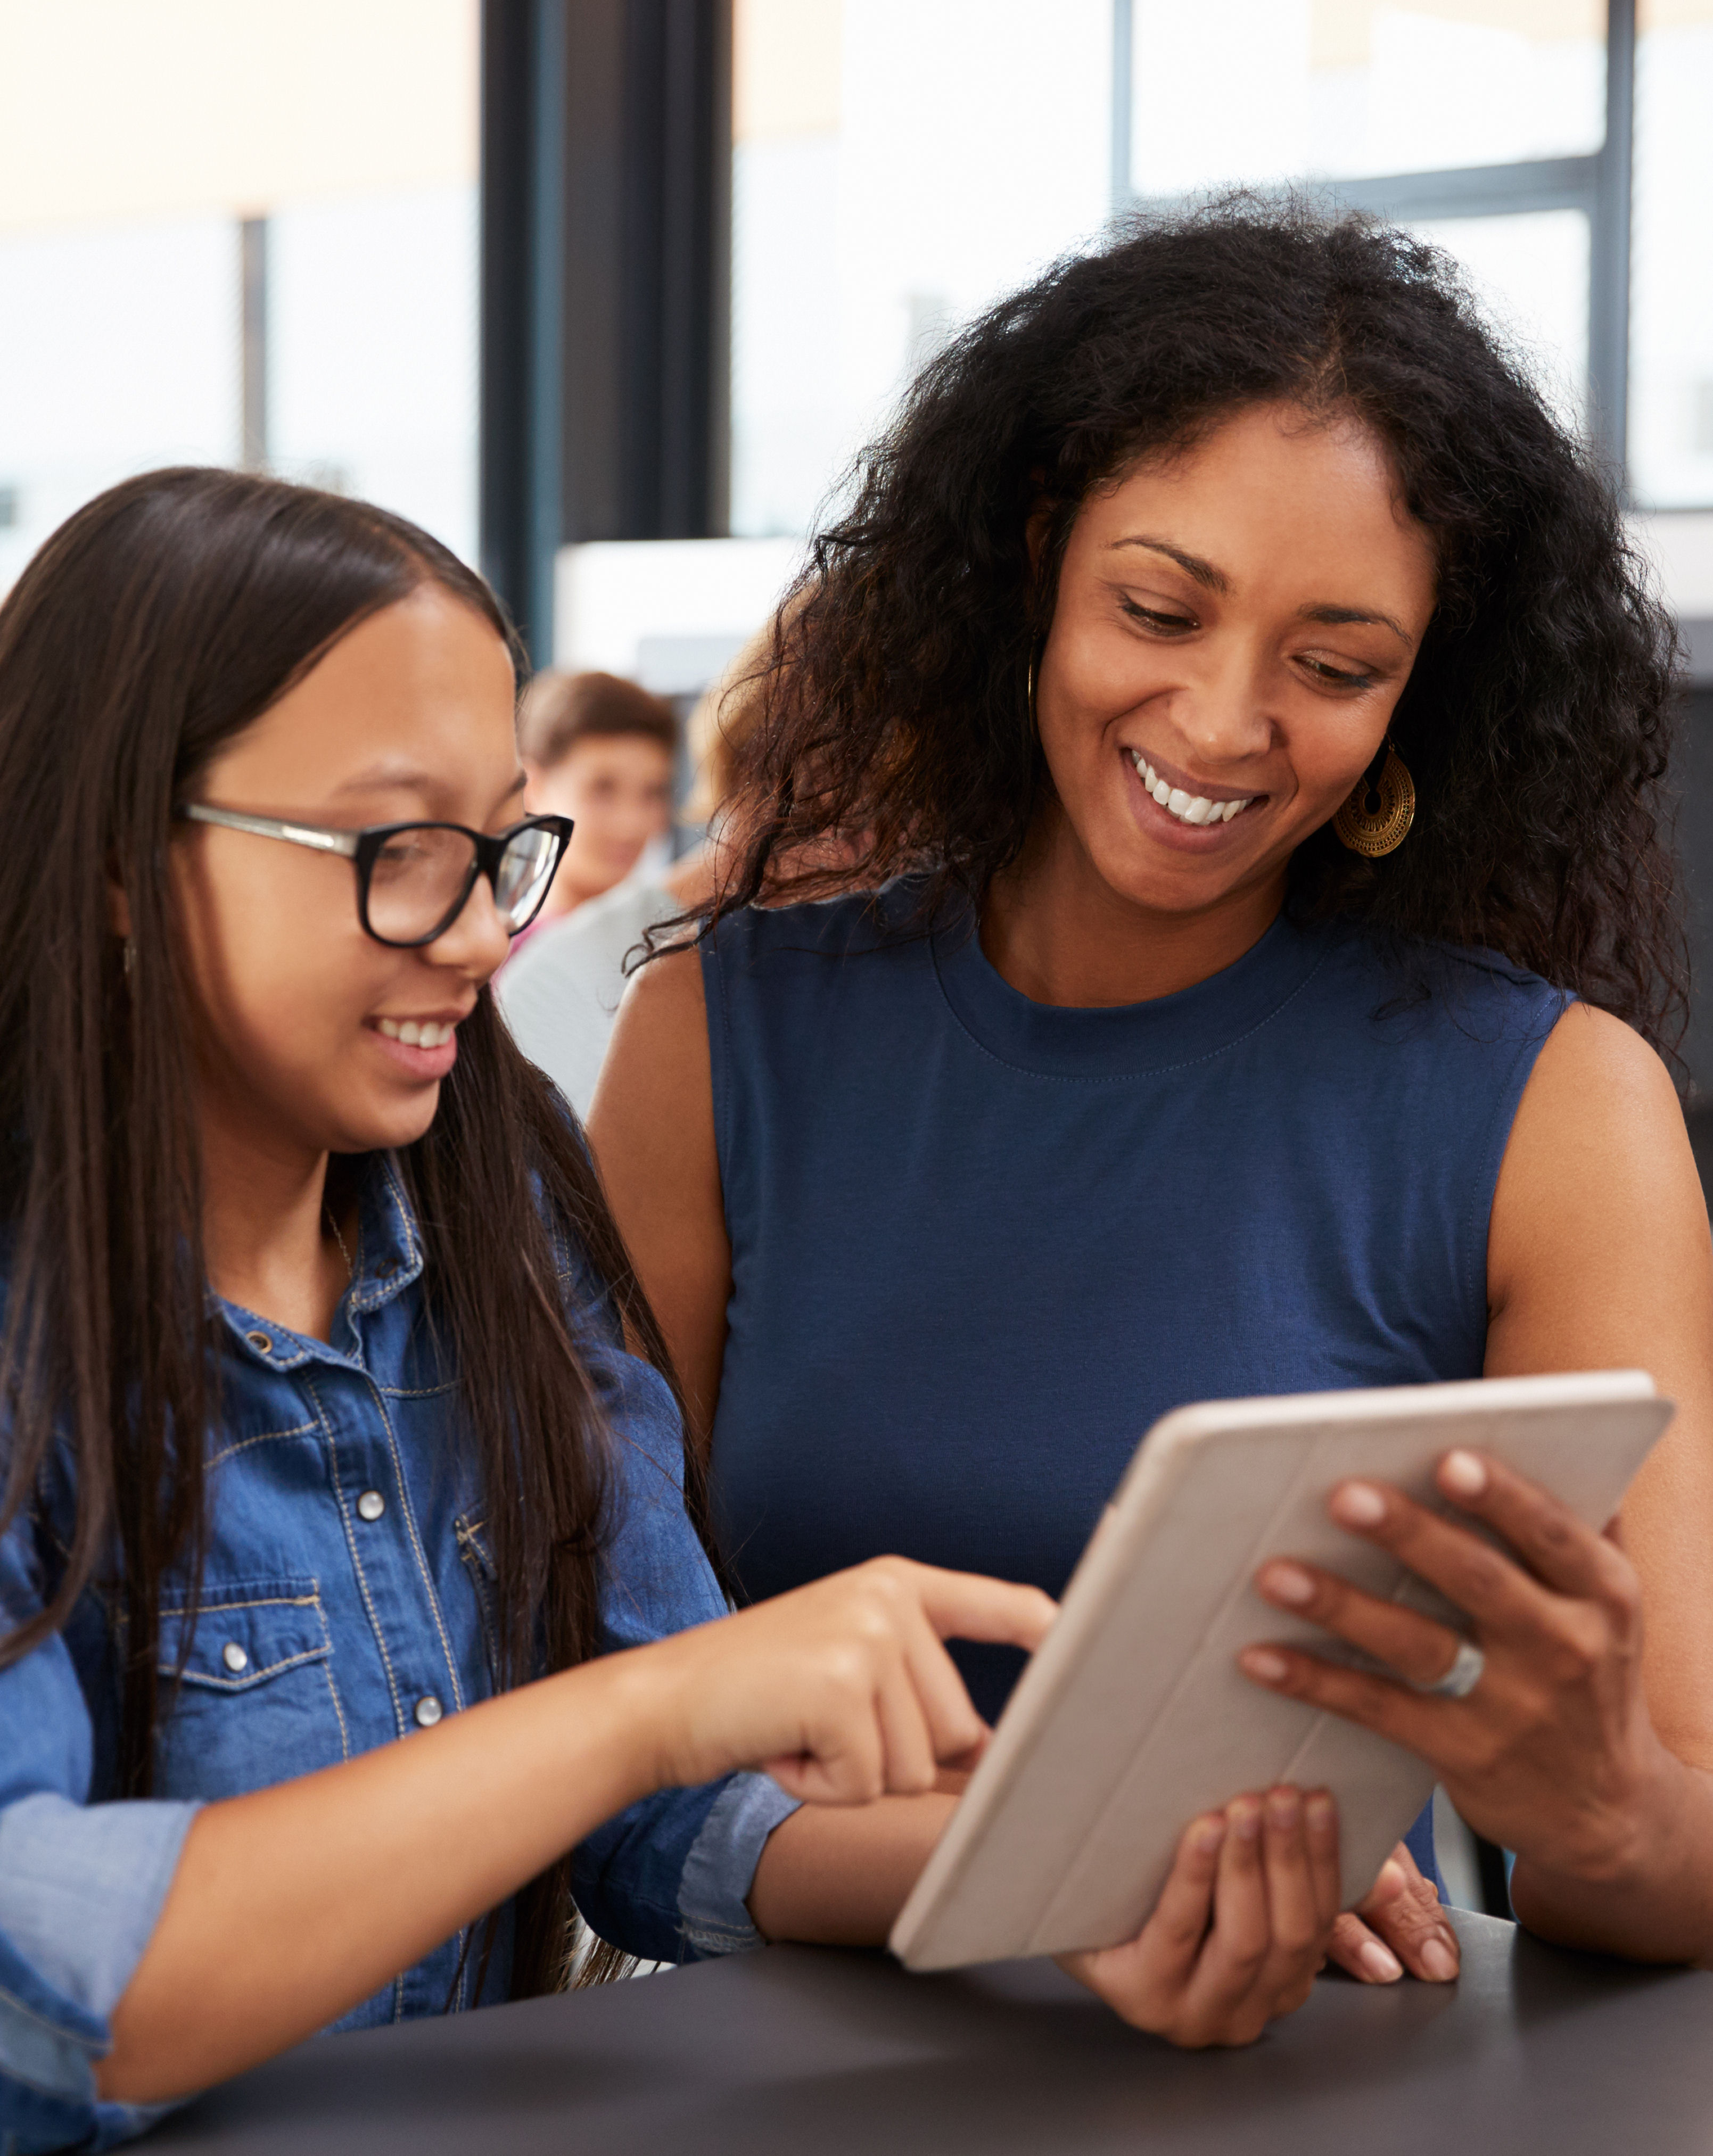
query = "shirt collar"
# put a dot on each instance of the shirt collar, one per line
(387, 1260)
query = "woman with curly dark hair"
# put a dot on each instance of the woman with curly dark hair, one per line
(1245, 720)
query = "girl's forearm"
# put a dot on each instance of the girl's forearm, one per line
(1654, 1901)
(838, 1876)
(291, 1905)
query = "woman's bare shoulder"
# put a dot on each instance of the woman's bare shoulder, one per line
(668, 989)
(657, 1059)
(1597, 1081)
(1598, 1185)
(651, 1126)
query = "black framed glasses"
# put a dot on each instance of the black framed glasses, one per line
(415, 880)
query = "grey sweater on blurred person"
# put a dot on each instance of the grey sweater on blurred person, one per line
(560, 993)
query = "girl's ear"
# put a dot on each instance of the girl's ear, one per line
(118, 909)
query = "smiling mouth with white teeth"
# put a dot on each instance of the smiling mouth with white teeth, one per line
(1187, 807)
(414, 1033)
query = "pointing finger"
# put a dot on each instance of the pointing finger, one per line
(964, 1605)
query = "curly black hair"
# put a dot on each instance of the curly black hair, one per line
(1536, 722)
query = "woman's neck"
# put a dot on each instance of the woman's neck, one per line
(267, 1237)
(1056, 931)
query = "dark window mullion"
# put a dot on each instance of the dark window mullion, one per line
(1609, 248)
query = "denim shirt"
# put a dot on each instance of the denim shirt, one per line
(347, 1601)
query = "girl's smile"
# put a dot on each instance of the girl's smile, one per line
(424, 1048)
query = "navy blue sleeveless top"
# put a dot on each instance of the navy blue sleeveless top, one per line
(979, 1244)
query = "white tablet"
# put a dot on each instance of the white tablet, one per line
(1132, 1715)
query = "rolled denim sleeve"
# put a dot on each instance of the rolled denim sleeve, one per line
(668, 1879)
(720, 1869)
(81, 1888)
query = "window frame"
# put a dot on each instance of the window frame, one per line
(605, 283)
(1598, 184)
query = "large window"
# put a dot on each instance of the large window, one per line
(1234, 90)
(1482, 124)
(897, 165)
(1671, 323)
(238, 232)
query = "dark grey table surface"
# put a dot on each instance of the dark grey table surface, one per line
(807, 2052)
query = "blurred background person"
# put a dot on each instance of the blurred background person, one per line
(560, 996)
(602, 751)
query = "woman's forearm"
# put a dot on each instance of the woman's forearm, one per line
(1654, 1901)
(840, 1877)
(291, 1905)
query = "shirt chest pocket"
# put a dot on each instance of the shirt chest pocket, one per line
(255, 1701)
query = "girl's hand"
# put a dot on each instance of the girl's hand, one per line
(1243, 1922)
(1552, 1752)
(841, 1691)
(1397, 1925)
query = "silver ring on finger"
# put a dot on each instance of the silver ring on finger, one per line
(1467, 1667)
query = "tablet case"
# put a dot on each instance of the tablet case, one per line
(1133, 1716)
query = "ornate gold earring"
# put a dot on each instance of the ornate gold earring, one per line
(1376, 813)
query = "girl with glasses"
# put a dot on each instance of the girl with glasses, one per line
(339, 1446)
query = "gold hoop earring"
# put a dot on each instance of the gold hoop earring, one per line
(1376, 814)
(1034, 722)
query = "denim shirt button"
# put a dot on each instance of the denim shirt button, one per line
(234, 1658)
(371, 1505)
(429, 1710)
(260, 1341)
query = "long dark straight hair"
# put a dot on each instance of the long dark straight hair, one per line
(156, 624)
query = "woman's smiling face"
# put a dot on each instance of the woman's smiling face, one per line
(1233, 627)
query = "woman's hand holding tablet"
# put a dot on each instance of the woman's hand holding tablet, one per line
(1101, 1825)
(1552, 1753)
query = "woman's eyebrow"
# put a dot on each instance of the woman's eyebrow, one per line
(1216, 580)
(1337, 616)
(1192, 565)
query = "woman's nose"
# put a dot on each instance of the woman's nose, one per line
(1222, 714)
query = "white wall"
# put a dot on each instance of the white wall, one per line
(1680, 544)
(668, 613)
